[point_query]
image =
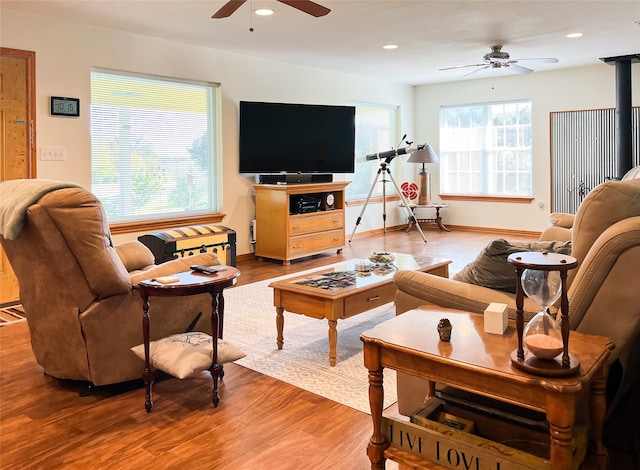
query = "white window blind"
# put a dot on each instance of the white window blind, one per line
(154, 146)
(485, 149)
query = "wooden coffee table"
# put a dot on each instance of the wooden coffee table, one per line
(339, 292)
(480, 363)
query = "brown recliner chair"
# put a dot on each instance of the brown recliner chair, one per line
(79, 291)
(604, 290)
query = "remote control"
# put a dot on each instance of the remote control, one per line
(208, 269)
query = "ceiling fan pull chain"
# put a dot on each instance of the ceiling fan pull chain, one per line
(251, 17)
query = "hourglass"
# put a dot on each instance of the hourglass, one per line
(542, 334)
(542, 276)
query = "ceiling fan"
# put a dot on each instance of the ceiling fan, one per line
(306, 6)
(498, 59)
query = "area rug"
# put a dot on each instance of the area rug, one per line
(11, 315)
(250, 323)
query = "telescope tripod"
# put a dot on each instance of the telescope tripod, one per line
(384, 171)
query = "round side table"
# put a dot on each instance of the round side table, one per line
(188, 283)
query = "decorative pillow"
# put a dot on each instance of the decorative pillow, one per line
(491, 268)
(185, 354)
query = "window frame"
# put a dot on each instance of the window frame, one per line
(370, 168)
(213, 175)
(490, 153)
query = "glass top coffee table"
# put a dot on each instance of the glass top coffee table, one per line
(342, 292)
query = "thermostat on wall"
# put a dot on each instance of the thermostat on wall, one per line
(61, 106)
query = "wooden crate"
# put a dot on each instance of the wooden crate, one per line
(501, 446)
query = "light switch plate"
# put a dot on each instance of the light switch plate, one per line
(53, 153)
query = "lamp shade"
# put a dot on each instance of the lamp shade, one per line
(424, 155)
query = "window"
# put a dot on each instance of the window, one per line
(154, 146)
(485, 149)
(375, 132)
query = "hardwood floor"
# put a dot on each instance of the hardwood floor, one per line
(261, 423)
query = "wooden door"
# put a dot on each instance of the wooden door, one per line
(17, 138)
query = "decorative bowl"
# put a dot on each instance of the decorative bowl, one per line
(382, 257)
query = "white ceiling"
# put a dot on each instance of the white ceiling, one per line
(430, 34)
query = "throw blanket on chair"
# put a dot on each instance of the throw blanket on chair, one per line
(16, 196)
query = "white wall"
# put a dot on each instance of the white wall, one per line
(66, 51)
(580, 88)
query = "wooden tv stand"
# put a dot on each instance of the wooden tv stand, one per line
(283, 235)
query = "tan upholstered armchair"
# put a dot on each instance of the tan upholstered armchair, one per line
(79, 290)
(604, 290)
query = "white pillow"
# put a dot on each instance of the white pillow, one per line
(185, 354)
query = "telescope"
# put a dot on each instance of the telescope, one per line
(385, 158)
(391, 154)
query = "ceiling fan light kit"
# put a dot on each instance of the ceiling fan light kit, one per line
(497, 59)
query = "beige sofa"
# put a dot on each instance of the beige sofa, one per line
(79, 290)
(604, 291)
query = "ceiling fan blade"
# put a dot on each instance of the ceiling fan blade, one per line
(462, 66)
(228, 9)
(475, 71)
(541, 60)
(307, 6)
(518, 68)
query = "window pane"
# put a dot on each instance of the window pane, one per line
(153, 146)
(486, 149)
(375, 132)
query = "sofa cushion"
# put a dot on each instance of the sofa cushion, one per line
(186, 354)
(561, 219)
(606, 204)
(134, 255)
(491, 268)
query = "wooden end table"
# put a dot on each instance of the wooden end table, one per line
(189, 283)
(480, 363)
(339, 292)
(436, 220)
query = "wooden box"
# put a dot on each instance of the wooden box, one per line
(492, 444)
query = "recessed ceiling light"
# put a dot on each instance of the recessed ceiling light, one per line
(264, 12)
(574, 35)
(390, 46)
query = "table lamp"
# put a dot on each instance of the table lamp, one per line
(424, 155)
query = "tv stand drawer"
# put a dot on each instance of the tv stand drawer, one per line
(316, 243)
(315, 222)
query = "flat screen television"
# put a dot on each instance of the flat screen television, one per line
(296, 138)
